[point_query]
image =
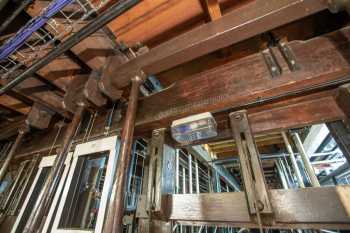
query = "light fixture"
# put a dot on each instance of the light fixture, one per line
(194, 128)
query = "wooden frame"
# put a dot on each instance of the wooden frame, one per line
(110, 144)
(45, 162)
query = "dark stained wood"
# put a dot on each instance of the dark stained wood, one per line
(38, 91)
(312, 109)
(231, 28)
(247, 82)
(343, 99)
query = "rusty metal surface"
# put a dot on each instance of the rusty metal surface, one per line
(252, 19)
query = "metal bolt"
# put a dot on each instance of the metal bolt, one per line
(238, 117)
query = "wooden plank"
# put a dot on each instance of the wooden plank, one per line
(318, 208)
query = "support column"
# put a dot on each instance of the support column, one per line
(310, 170)
(114, 219)
(5, 165)
(293, 160)
(47, 194)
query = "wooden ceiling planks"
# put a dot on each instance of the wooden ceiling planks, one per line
(93, 51)
(154, 18)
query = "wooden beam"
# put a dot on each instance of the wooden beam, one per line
(38, 91)
(259, 16)
(327, 208)
(247, 83)
(14, 104)
(212, 8)
(286, 114)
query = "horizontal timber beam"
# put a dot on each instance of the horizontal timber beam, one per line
(250, 20)
(247, 83)
(310, 109)
(310, 208)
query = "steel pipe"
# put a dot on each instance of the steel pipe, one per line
(306, 161)
(21, 133)
(293, 160)
(96, 24)
(113, 223)
(42, 205)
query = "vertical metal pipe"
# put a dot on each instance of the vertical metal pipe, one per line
(306, 161)
(113, 222)
(177, 171)
(197, 175)
(21, 133)
(14, 186)
(281, 174)
(183, 180)
(293, 160)
(43, 203)
(190, 173)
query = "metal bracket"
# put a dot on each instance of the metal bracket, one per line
(252, 173)
(289, 57)
(272, 63)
